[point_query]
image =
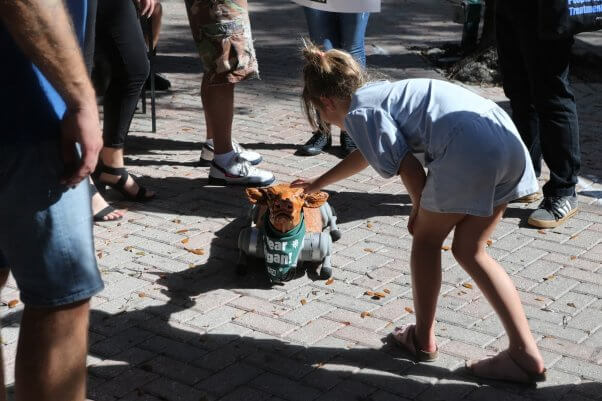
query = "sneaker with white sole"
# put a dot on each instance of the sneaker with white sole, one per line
(207, 153)
(239, 172)
(553, 211)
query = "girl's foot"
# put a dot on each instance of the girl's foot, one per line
(102, 211)
(405, 338)
(507, 368)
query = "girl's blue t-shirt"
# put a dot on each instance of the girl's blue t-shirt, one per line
(388, 119)
(30, 108)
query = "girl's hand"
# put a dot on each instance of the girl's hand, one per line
(412, 220)
(147, 7)
(309, 185)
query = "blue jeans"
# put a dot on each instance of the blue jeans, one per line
(344, 31)
(45, 228)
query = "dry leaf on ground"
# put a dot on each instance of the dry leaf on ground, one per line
(365, 314)
(369, 293)
(330, 281)
(196, 251)
(408, 309)
(182, 231)
(467, 285)
(387, 291)
(445, 248)
(185, 240)
(303, 301)
(13, 303)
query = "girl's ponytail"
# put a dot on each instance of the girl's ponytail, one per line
(332, 74)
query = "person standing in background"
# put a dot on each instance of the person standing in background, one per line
(535, 74)
(49, 144)
(336, 25)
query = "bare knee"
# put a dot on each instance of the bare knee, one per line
(467, 253)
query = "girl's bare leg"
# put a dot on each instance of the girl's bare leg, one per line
(468, 247)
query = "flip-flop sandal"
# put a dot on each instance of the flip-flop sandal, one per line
(488, 370)
(100, 216)
(405, 338)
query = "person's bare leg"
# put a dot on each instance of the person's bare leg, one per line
(430, 230)
(218, 107)
(156, 18)
(51, 354)
(3, 277)
(470, 239)
(113, 157)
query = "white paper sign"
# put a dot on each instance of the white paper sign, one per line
(342, 6)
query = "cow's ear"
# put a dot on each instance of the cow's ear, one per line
(316, 199)
(256, 195)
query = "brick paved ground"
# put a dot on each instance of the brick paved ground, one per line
(174, 325)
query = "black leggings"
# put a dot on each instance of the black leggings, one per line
(120, 41)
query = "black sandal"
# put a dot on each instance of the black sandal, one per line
(100, 216)
(119, 186)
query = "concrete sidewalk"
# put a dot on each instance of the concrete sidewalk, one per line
(179, 325)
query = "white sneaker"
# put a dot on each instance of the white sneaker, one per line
(207, 152)
(239, 172)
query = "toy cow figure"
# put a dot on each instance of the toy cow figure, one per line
(287, 228)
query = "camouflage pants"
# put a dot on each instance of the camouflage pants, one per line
(222, 32)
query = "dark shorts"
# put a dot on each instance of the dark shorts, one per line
(222, 32)
(45, 229)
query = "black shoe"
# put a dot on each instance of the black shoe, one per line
(161, 83)
(317, 143)
(347, 144)
(553, 211)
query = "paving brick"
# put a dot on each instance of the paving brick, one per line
(286, 365)
(394, 310)
(567, 348)
(461, 334)
(231, 377)
(247, 394)
(126, 382)
(172, 390)
(589, 320)
(252, 304)
(305, 313)
(349, 303)
(264, 324)
(524, 256)
(580, 368)
(217, 317)
(368, 263)
(314, 331)
(349, 389)
(367, 322)
(557, 331)
(555, 287)
(581, 275)
(361, 336)
(285, 388)
(391, 382)
(120, 342)
(176, 370)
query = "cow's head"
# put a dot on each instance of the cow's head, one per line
(285, 203)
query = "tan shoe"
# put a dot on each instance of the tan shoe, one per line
(535, 196)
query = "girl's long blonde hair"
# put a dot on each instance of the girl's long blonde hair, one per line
(332, 74)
